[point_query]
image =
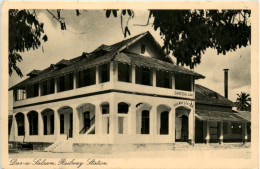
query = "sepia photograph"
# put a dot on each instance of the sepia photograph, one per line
(86, 86)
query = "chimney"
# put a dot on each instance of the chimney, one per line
(226, 82)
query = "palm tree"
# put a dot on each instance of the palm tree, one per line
(243, 101)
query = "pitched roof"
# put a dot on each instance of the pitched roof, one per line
(207, 96)
(104, 54)
(218, 116)
(244, 114)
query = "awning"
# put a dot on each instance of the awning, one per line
(207, 115)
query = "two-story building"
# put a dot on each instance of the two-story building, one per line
(127, 95)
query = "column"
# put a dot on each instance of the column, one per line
(153, 120)
(97, 74)
(40, 123)
(75, 122)
(172, 123)
(55, 84)
(207, 133)
(111, 71)
(56, 123)
(26, 126)
(40, 89)
(245, 133)
(153, 77)
(133, 74)
(114, 69)
(191, 127)
(98, 120)
(74, 80)
(132, 120)
(112, 120)
(173, 81)
(221, 132)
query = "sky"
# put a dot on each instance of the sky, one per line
(91, 29)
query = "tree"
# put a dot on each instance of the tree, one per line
(24, 34)
(243, 102)
(186, 33)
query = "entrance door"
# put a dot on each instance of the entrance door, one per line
(184, 128)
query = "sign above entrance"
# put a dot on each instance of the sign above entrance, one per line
(185, 103)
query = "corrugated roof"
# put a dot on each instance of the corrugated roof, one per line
(104, 54)
(207, 115)
(207, 96)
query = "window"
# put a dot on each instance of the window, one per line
(236, 128)
(32, 90)
(48, 87)
(143, 76)
(183, 82)
(45, 123)
(162, 79)
(105, 109)
(65, 82)
(124, 72)
(104, 73)
(123, 108)
(145, 122)
(52, 124)
(164, 128)
(87, 77)
(61, 123)
(142, 49)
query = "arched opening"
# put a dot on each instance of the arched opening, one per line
(145, 122)
(48, 121)
(66, 121)
(86, 114)
(163, 119)
(123, 109)
(20, 123)
(182, 124)
(164, 128)
(105, 117)
(33, 122)
(143, 118)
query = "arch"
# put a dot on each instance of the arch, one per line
(163, 119)
(32, 117)
(143, 118)
(182, 110)
(48, 121)
(19, 118)
(65, 115)
(86, 114)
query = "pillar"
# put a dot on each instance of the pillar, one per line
(114, 69)
(132, 119)
(112, 120)
(26, 126)
(74, 80)
(191, 127)
(75, 122)
(154, 77)
(173, 82)
(133, 75)
(55, 84)
(98, 120)
(40, 89)
(207, 133)
(172, 123)
(97, 75)
(153, 122)
(245, 133)
(112, 73)
(40, 123)
(221, 132)
(56, 123)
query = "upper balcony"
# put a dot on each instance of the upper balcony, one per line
(116, 76)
